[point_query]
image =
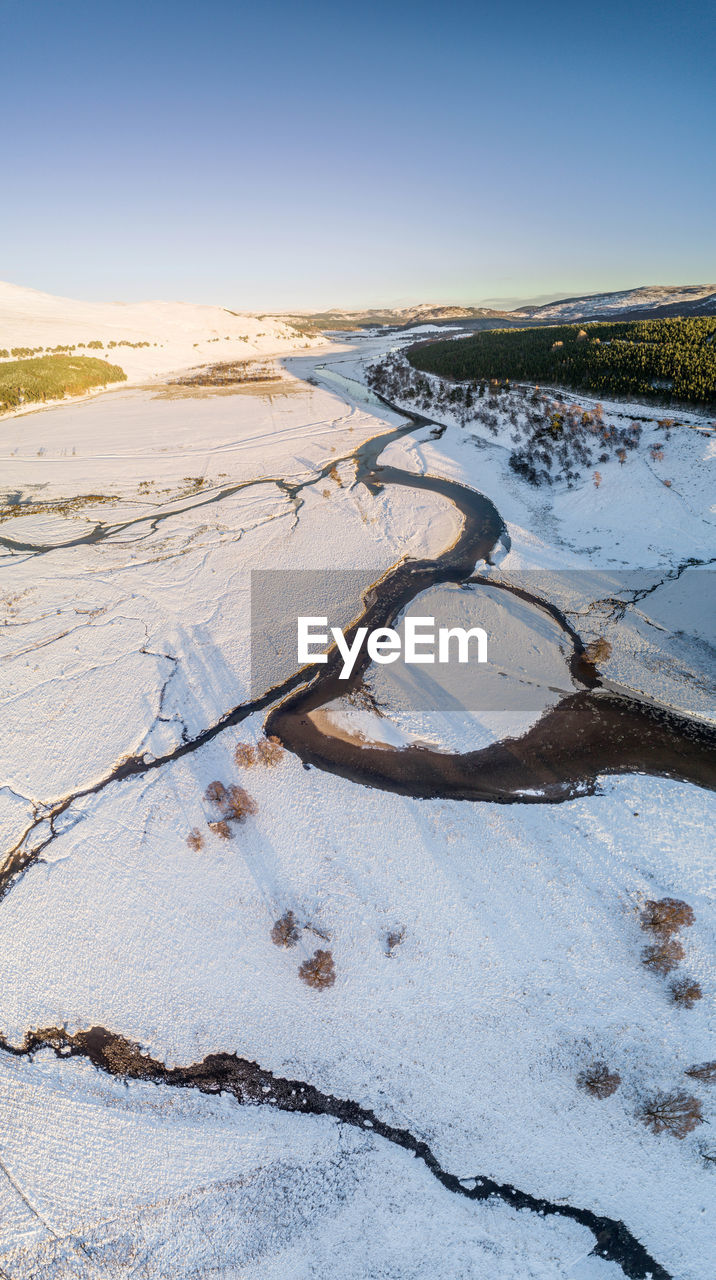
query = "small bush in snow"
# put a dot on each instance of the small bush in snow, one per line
(685, 992)
(394, 939)
(195, 839)
(221, 829)
(598, 1080)
(663, 956)
(234, 804)
(285, 932)
(319, 971)
(270, 751)
(676, 1113)
(666, 916)
(245, 755)
(705, 1072)
(215, 794)
(239, 804)
(598, 650)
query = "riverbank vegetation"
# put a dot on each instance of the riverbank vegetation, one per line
(660, 359)
(552, 441)
(52, 378)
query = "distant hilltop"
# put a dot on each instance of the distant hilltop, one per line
(646, 302)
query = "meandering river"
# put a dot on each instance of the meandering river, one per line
(597, 730)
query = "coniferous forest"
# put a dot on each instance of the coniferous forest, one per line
(663, 359)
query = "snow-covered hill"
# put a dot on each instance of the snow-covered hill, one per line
(179, 333)
(693, 299)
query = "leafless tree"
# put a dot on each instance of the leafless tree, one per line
(245, 754)
(598, 1080)
(705, 1072)
(685, 992)
(215, 794)
(662, 957)
(319, 971)
(676, 1113)
(270, 751)
(285, 932)
(666, 916)
(233, 802)
(238, 804)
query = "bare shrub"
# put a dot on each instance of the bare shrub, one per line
(233, 803)
(685, 992)
(285, 932)
(598, 650)
(195, 839)
(270, 751)
(663, 956)
(319, 971)
(598, 1080)
(245, 755)
(221, 829)
(676, 1113)
(320, 933)
(394, 939)
(238, 804)
(216, 794)
(708, 1154)
(705, 1072)
(666, 916)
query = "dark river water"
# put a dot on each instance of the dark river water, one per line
(597, 730)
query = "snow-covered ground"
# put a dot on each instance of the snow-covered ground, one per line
(517, 962)
(174, 335)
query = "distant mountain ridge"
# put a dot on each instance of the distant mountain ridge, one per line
(645, 302)
(32, 318)
(389, 317)
(648, 301)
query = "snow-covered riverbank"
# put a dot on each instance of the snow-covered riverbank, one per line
(517, 960)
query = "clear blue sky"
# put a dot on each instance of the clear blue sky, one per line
(316, 154)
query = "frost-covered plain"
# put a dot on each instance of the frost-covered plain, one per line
(126, 602)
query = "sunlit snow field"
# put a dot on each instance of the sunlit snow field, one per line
(126, 600)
